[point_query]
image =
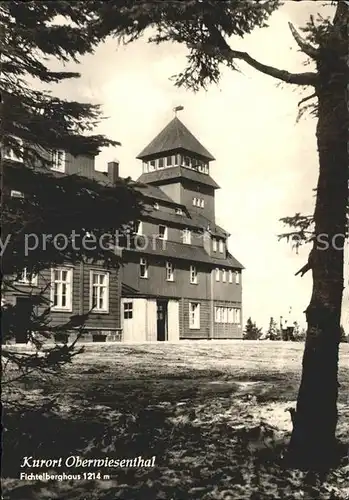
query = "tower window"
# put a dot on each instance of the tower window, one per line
(187, 236)
(193, 275)
(221, 246)
(187, 161)
(217, 274)
(143, 268)
(163, 232)
(169, 271)
(202, 203)
(224, 276)
(237, 278)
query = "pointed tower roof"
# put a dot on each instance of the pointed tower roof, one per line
(175, 136)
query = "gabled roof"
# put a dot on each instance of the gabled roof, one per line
(175, 136)
(159, 176)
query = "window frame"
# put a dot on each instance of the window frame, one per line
(139, 228)
(25, 281)
(237, 278)
(187, 236)
(127, 310)
(230, 276)
(16, 194)
(169, 267)
(9, 154)
(69, 283)
(165, 235)
(224, 276)
(194, 316)
(103, 310)
(214, 244)
(193, 278)
(143, 262)
(58, 166)
(221, 245)
(217, 274)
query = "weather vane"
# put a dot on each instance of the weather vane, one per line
(177, 108)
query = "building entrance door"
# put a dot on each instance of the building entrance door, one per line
(24, 310)
(161, 320)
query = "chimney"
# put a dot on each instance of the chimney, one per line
(113, 171)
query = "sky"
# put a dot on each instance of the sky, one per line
(266, 163)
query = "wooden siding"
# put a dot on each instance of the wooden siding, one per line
(220, 330)
(204, 331)
(190, 190)
(156, 283)
(151, 230)
(80, 298)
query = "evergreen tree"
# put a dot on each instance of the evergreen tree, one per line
(34, 124)
(252, 332)
(273, 332)
(207, 29)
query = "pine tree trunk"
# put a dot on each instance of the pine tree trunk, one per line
(313, 443)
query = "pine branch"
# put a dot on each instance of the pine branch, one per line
(305, 47)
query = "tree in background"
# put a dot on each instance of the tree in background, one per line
(273, 332)
(252, 332)
(208, 30)
(34, 124)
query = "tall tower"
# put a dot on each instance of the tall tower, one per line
(177, 163)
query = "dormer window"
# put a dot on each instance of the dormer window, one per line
(152, 165)
(169, 161)
(179, 211)
(221, 246)
(156, 206)
(161, 162)
(163, 232)
(139, 227)
(202, 203)
(187, 236)
(214, 245)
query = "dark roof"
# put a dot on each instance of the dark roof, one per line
(159, 176)
(173, 137)
(151, 191)
(182, 251)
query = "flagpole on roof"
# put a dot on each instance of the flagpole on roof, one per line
(178, 108)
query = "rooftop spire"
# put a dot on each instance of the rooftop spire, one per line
(175, 137)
